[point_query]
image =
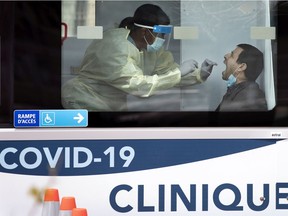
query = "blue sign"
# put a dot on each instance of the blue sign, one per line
(26, 118)
(50, 118)
(63, 118)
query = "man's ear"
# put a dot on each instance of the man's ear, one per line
(243, 66)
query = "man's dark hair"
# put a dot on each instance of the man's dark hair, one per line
(253, 58)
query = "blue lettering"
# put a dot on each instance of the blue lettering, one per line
(141, 207)
(161, 198)
(189, 201)
(250, 203)
(281, 196)
(113, 202)
(176, 190)
(205, 197)
(233, 206)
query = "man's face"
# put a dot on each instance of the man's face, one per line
(230, 60)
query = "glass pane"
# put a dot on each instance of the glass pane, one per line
(78, 13)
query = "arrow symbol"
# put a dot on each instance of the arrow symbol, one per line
(79, 117)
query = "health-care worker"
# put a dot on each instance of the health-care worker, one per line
(130, 60)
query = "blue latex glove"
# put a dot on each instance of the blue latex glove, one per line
(188, 66)
(206, 69)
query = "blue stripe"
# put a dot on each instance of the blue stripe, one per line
(149, 154)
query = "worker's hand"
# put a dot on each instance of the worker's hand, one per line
(206, 69)
(188, 66)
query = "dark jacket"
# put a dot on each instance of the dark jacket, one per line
(245, 96)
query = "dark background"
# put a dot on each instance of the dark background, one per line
(31, 73)
(30, 56)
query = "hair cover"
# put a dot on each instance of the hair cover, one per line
(147, 14)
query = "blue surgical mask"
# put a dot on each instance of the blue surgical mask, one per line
(156, 45)
(231, 80)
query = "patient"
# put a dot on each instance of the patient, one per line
(243, 65)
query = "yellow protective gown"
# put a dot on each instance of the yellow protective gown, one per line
(112, 68)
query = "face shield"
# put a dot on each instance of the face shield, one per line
(162, 31)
